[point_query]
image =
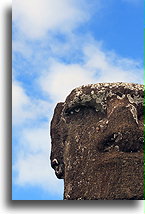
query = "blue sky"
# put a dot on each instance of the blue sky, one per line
(57, 46)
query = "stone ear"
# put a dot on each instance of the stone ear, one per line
(57, 142)
(58, 167)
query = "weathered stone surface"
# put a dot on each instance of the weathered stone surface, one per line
(97, 142)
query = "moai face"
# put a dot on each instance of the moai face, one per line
(97, 142)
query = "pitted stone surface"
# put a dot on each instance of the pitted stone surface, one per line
(97, 142)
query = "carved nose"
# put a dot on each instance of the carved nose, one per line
(126, 140)
(124, 116)
(124, 133)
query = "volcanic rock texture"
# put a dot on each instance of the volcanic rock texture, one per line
(97, 142)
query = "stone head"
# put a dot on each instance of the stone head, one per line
(97, 142)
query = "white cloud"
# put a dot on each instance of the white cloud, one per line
(20, 46)
(20, 102)
(35, 170)
(110, 67)
(35, 140)
(33, 160)
(62, 78)
(26, 108)
(97, 66)
(32, 165)
(35, 17)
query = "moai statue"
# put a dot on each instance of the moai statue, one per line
(97, 142)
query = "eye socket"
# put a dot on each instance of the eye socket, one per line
(72, 111)
(79, 109)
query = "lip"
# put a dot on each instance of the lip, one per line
(122, 156)
(119, 175)
(110, 176)
(128, 170)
